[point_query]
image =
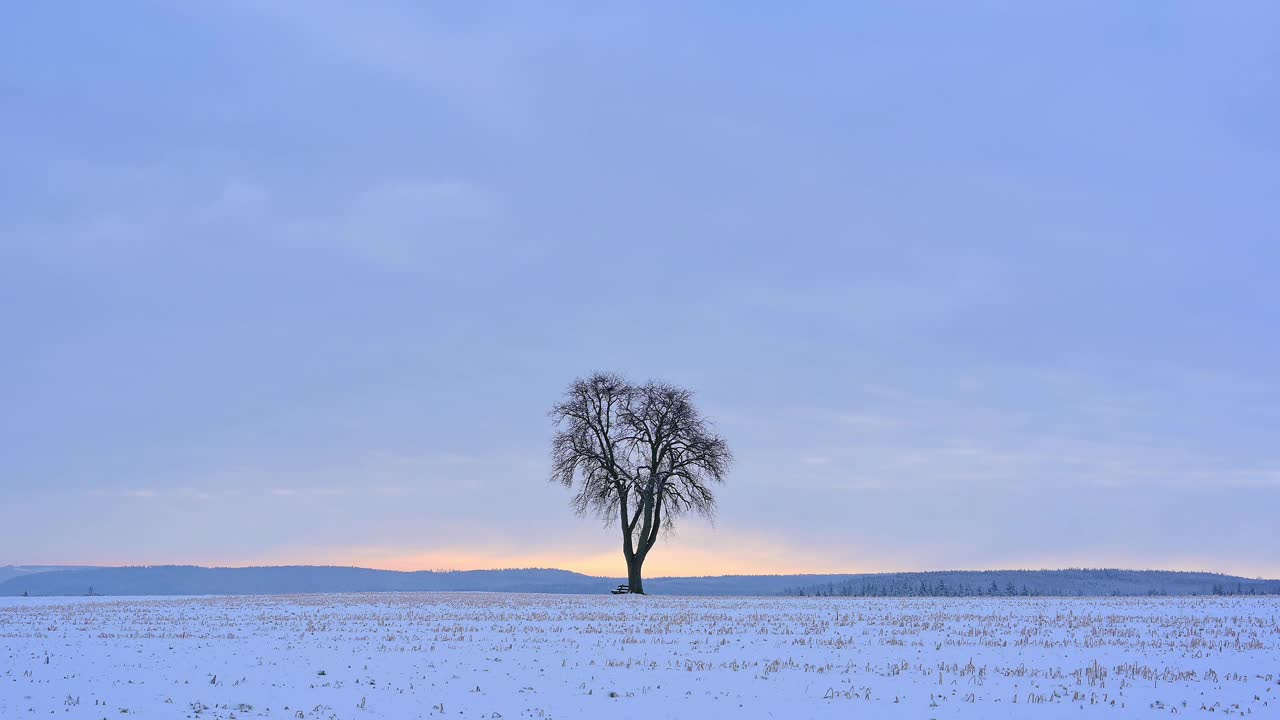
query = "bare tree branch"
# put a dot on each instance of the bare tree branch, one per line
(620, 444)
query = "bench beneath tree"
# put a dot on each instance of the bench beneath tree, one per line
(621, 590)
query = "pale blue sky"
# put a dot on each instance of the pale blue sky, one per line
(969, 286)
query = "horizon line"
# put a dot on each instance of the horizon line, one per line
(608, 577)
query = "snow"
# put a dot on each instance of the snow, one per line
(480, 655)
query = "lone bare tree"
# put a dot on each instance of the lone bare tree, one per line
(640, 454)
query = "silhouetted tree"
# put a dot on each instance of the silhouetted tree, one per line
(639, 454)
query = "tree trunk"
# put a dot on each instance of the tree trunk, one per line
(634, 584)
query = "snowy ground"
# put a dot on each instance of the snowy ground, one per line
(540, 656)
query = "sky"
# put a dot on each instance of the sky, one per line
(965, 286)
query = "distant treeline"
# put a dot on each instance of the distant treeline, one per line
(190, 580)
(1075, 582)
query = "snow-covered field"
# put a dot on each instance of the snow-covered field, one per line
(555, 656)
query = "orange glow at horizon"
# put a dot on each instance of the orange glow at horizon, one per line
(694, 554)
(603, 564)
(729, 556)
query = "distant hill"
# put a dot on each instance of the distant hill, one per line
(192, 580)
(12, 571)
